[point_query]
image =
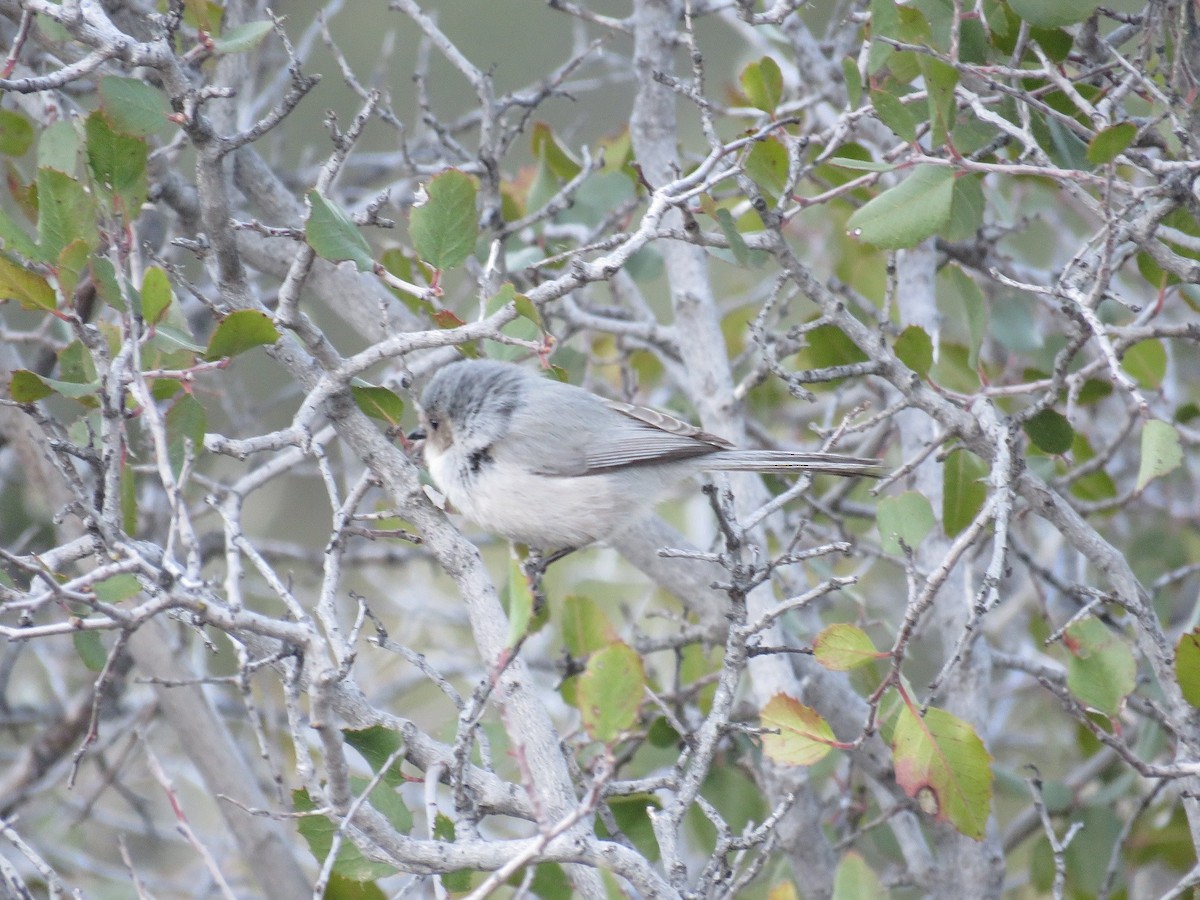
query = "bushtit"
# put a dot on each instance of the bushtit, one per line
(554, 466)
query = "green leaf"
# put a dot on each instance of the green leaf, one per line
(85, 431)
(632, 815)
(1157, 277)
(118, 162)
(443, 828)
(940, 80)
(1053, 13)
(863, 165)
(28, 288)
(26, 387)
(458, 881)
(855, 880)
(697, 664)
(13, 237)
(762, 83)
(610, 692)
(169, 338)
(104, 277)
(156, 295)
(1002, 22)
(339, 888)
(767, 166)
(963, 494)
(842, 647)
(76, 365)
(1057, 44)
(133, 106)
(117, 588)
(1147, 362)
(746, 257)
(1161, 452)
(941, 763)
(1109, 143)
(907, 214)
(1050, 432)
(239, 331)
(1064, 147)
(376, 744)
(1187, 665)
(907, 517)
(964, 303)
(853, 80)
(526, 310)
(971, 136)
(90, 649)
(542, 188)
(74, 261)
(549, 880)
(242, 38)
(59, 147)
(187, 422)
(804, 737)
(592, 204)
(585, 626)
(662, 733)
(520, 601)
(742, 253)
(1101, 672)
(165, 388)
(16, 133)
(966, 209)
(66, 212)
(333, 236)
(895, 114)
(618, 153)
(85, 392)
(885, 22)
(445, 227)
(829, 346)
(318, 832)
(378, 402)
(386, 800)
(547, 148)
(1096, 485)
(975, 45)
(915, 349)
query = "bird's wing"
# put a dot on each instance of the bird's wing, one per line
(577, 433)
(641, 435)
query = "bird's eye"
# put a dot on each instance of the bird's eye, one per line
(433, 424)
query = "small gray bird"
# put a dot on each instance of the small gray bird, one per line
(554, 466)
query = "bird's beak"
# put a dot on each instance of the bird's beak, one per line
(416, 444)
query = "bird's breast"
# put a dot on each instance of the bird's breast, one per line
(549, 512)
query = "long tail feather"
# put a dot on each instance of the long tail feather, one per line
(788, 461)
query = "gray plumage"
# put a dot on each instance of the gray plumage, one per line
(553, 465)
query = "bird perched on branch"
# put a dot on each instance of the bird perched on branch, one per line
(555, 466)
